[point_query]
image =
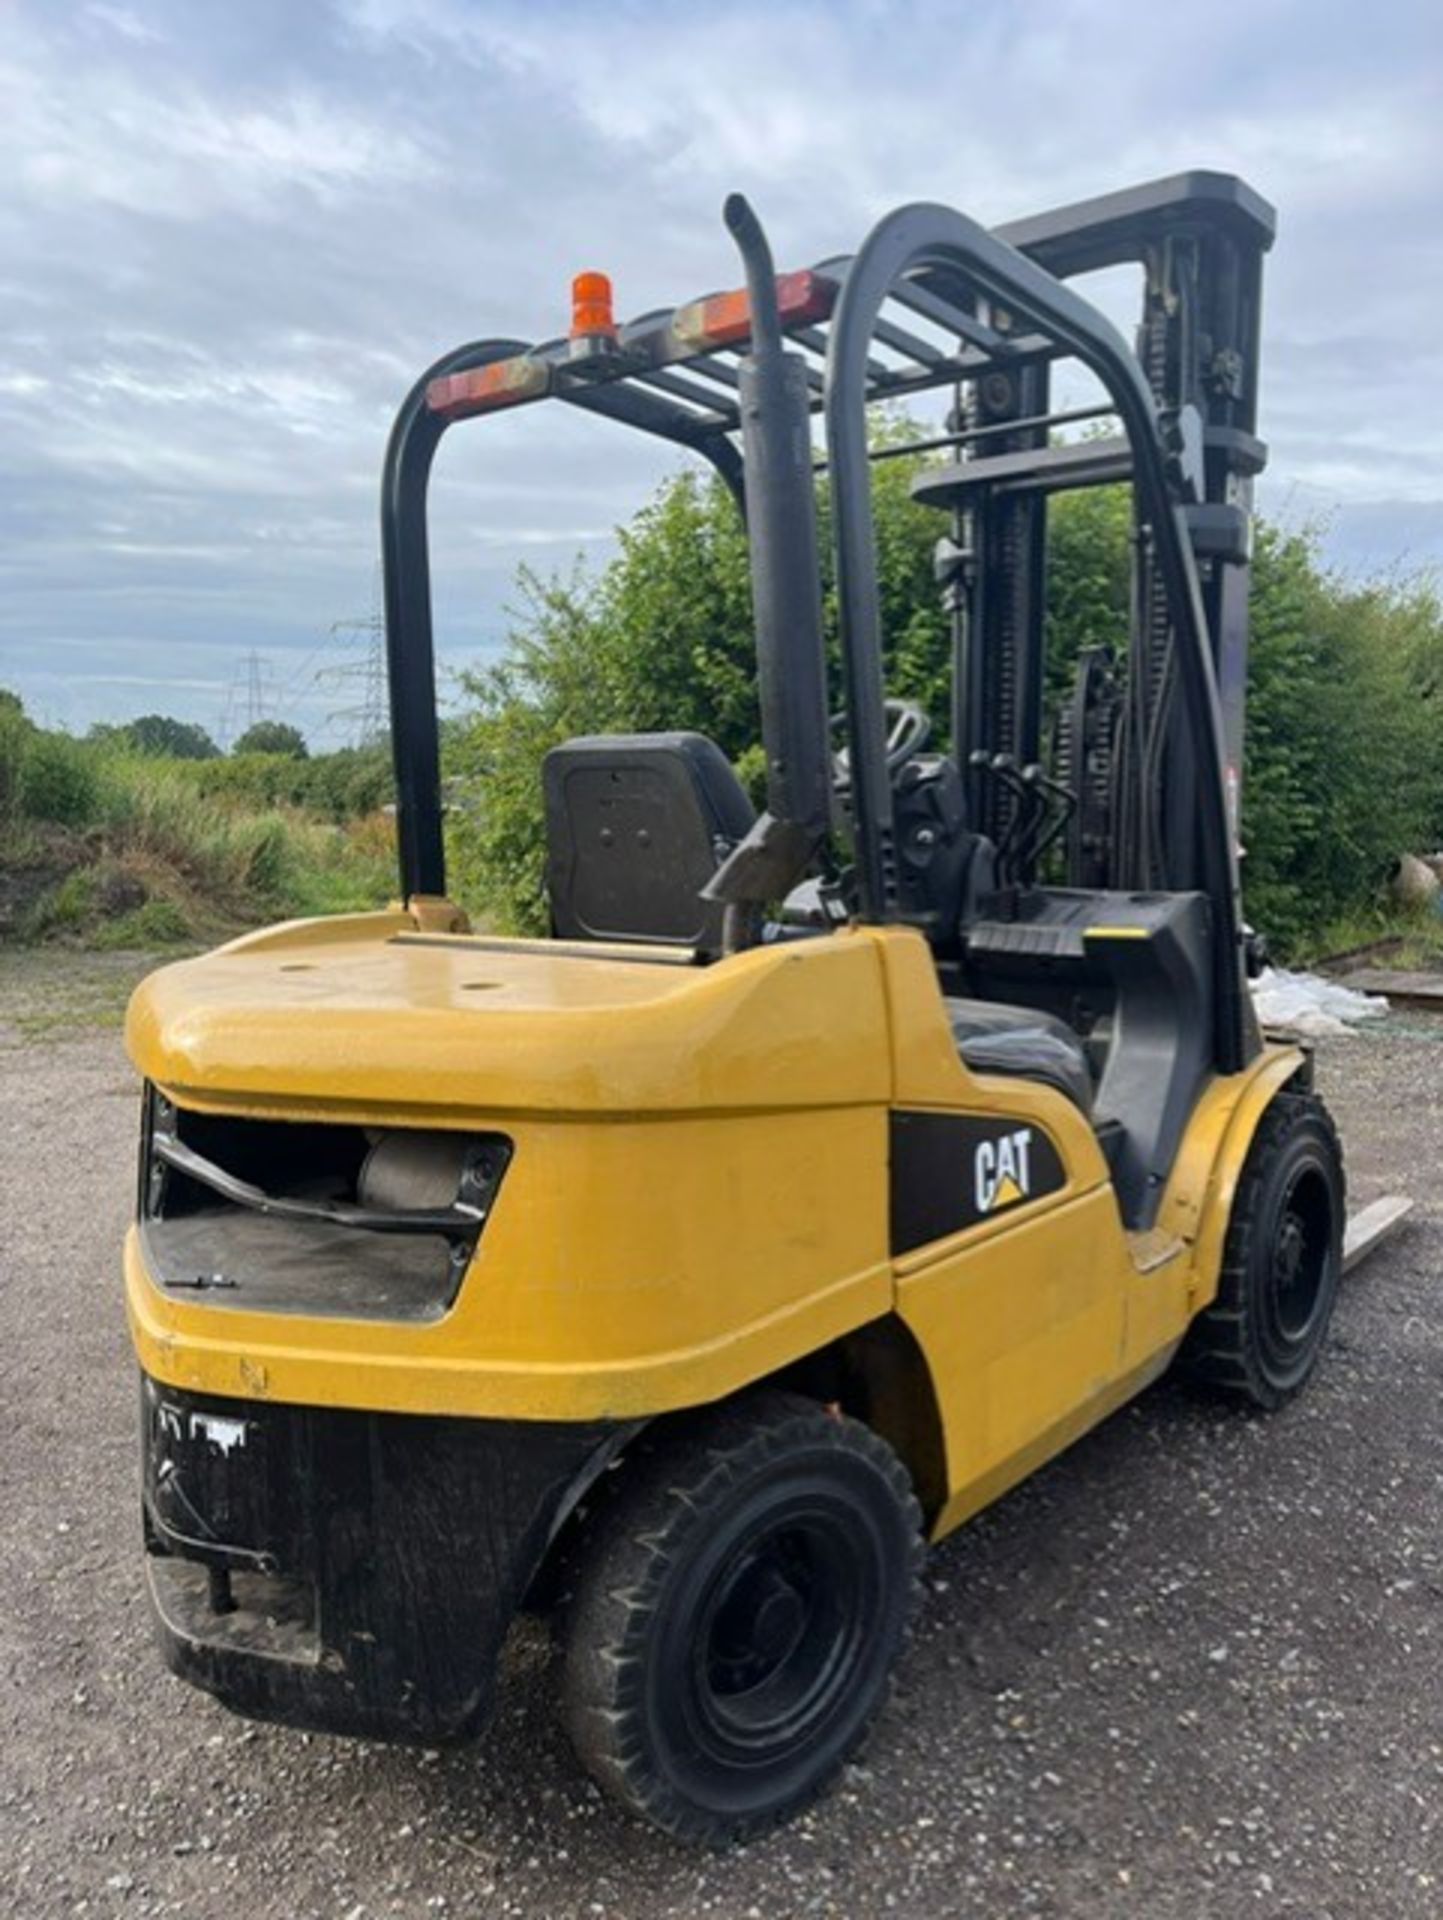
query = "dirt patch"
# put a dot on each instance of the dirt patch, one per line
(30, 872)
(52, 996)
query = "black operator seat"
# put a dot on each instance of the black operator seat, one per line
(1021, 1041)
(636, 825)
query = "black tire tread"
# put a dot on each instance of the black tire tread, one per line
(1218, 1351)
(666, 1489)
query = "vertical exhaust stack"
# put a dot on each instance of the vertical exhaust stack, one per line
(786, 603)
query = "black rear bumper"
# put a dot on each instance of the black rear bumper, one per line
(349, 1572)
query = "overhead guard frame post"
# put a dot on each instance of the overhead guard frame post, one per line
(406, 579)
(410, 645)
(925, 239)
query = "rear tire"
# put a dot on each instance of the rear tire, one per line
(1261, 1338)
(738, 1614)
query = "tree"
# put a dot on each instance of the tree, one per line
(272, 736)
(1343, 764)
(160, 736)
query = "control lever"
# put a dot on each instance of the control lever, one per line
(1041, 835)
(1003, 767)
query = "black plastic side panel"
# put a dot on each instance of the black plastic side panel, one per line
(951, 1170)
(636, 825)
(1143, 962)
(368, 1565)
(1162, 1045)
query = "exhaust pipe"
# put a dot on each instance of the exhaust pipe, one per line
(786, 604)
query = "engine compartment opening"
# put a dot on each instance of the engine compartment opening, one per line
(313, 1217)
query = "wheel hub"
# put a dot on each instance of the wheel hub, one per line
(761, 1619)
(1290, 1251)
(1295, 1277)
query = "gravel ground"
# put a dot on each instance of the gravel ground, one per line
(1195, 1668)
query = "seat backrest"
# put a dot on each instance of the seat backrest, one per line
(636, 824)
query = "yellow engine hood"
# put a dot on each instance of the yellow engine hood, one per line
(370, 1016)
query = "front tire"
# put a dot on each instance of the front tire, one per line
(1262, 1336)
(737, 1618)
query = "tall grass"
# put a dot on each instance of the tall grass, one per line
(112, 848)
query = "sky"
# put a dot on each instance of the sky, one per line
(231, 235)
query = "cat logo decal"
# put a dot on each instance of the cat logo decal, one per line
(951, 1171)
(1001, 1170)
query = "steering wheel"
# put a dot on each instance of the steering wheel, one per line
(908, 730)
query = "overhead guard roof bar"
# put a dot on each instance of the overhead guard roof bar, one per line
(650, 359)
(655, 385)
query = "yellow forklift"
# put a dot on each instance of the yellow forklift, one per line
(828, 1169)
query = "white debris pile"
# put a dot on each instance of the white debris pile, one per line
(1306, 1003)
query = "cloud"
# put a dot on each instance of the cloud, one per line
(153, 140)
(230, 237)
(120, 20)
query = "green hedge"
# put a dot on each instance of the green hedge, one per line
(341, 785)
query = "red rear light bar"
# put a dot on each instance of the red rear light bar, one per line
(504, 383)
(701, 326)
(725, 319)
